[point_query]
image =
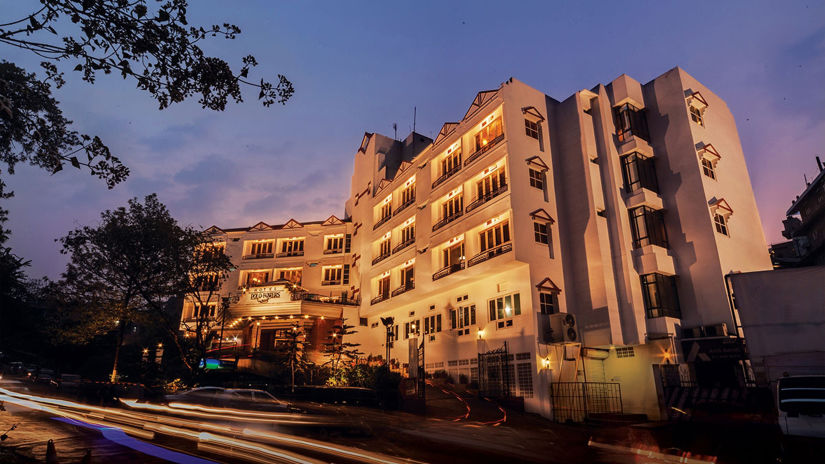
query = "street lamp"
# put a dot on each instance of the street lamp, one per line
(388, 323)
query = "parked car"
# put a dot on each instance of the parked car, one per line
(236, 398)
(67, 382)
(44, 376)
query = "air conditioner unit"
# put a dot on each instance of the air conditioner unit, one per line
(563, 328)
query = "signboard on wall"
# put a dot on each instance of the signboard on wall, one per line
(714, 349)
(266, 295)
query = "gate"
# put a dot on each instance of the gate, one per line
(577, 401)
(495, 373)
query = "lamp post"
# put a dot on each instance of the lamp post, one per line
(388, 323)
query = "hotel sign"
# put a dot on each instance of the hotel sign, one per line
(267, 295)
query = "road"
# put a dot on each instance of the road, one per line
(463, 431)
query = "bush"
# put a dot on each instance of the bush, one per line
(462, 379)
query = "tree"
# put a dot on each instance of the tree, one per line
(149, 43)
(133, 263)
(339, 351)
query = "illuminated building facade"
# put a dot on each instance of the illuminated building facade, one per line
(624, 206)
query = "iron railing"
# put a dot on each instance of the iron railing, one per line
(447, 220)
(285, 254)
(259, 256)
(380, 258)
(382, 221)
(577, 401)
(333, 251)
(380, 298)
(403, 288)
(490, 253)
(483, 150)
(449, 173)
(404, 205)
(445, 271)
(403, 245)
(486, 197)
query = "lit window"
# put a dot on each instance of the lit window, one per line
(532, 129)
(334, 244)
(260, 249)
(721, 224)
(257, 278)
(494, 236)
(548, 303)
(536, 179)
(408, 234)
(200, 313)
(489, 135)
(332, 275)
(293, 275)
(292, 247)
(708, 168)
(462, 318)
(432, 324)
(696, 116)
(630, 121)
(407, 196)
(503, 308)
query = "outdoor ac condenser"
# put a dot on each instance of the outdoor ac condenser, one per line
(560, 328)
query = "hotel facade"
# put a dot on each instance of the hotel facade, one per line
(583, 242)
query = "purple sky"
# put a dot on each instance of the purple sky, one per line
(363, 66)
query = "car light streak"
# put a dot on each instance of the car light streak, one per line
(344, 452)
(254, 448)
(227, 416)
(240, 412)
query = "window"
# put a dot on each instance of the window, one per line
(207, 282)
(449, 164)
(625, 352)
(385, 211)
(489, 134)
(408, 277)
(660, 296)
(537, 179)
(412, 329)
(721, 223)
(462, 318)
(292, 274)
(408, 195)
(504, 307)
(708, 168)
(408, 234)
(345, 275)
(494, 236)
(260, 249)
(257, 278)
(384, 248)
(525, 379)
(639, 172)
(211, 311)
(432, 324)
(334, 244)
(490, 185)
(696, 116)
(292, 247)
(648, 227)
(332, 275)
(630, 121)
(347, 243)
(453, 256)
(532, 129)
(384, 287)
(541, 231)
(452, 208)
(548, 303)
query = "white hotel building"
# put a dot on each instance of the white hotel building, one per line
(625, 205)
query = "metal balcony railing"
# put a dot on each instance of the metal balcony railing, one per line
(483, 150)
(403, 288)
(491, 253)
(404, 205)
(333, 251)
(485, 198)
(452, 268)
(285, 254)
(380, 258)
(403, 245)
(447, 220)
(450, 172)
(259, 256)
(380, 298)
(382, 221)
(331, 282)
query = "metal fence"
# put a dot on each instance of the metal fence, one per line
(578, 401)
(494, 373)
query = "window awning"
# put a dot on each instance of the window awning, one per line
(720, 206)
(542, 215)
(533, 113)
(696, 100)
(548, 285)
(708, 151)
(538, 163)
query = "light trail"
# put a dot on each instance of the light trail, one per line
(305, 443)
(224, 414)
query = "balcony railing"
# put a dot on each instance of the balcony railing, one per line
(404, 205)
(403, 288)
(483, 150)
(403, 245)
(306, 296)
(380, 298)
(380, 258)
(450, 172)
(491, 253)
(485, 198)
(444, 272)
(382, 221)
(285, 254)
(333, 251)
(259, 256)
(447, 220)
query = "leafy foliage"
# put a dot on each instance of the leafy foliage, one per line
(340, 352)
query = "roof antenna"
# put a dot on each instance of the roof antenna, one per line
(414, 114)
(395, 129)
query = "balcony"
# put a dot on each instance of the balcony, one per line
(450, 172)
(403, 206)
(380, 298)
(380, 258)
(483, 150)
(331, 282)
(403, 245)
(447, 220)
(485, 198)
(491, 253)
(314, 297)
(286, 254)
(382, 221)
(403, 288)
(452, 268)
(333, 251)
(259, 256)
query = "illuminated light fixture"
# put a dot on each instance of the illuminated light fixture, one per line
(408, 221)
(145, 350)
(277, 317)
(455, 192)
(258, 323)
(387, 200)
(322, 318)
(409, 262)
(480, 334)
(508, 309)
(306, 316)
(409, 181)
(386, 236)
(490, 169)
(290, 316)
(488, 120)
(160, 345)
(455, 240)
(454, 147)
(545, 363)
(384, 274)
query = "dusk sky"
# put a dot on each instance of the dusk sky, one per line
(362, 66)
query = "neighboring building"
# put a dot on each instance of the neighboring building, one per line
(782, 313)
(804, 227)
(625, 206)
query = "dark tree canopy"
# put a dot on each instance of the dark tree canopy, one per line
(148, 42)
